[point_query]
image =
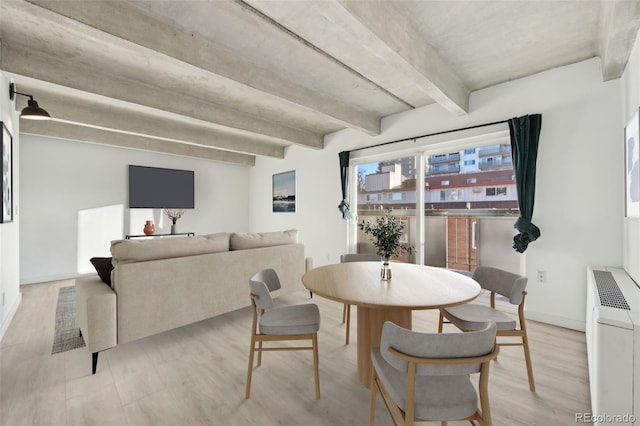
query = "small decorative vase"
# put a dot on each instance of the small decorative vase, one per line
(149, 228)
(174, 229)
(385, 272)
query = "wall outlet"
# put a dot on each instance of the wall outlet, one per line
(542, 276)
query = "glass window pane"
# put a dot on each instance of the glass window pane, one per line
(473, 178)
(389, 184)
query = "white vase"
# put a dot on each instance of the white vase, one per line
(174, 229)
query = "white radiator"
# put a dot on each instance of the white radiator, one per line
(613, 346)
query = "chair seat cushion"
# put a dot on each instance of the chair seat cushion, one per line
(472, 317)
(436, 397)
(287, 320)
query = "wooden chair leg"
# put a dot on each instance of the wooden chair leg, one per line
(316, 371)
(259, 353)
(372, 404)
(247, 393)
(344, 313)
(440, 323)
(527, 358)
(348, 323)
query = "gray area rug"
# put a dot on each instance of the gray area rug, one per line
(67, 333)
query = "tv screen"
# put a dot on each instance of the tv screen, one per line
(153, 187)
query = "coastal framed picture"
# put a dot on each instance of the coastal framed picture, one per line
(632, 167)
(7, 175)
(284, 192)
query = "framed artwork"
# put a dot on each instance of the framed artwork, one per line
(284, 192)
(7, 175)
(632, 167)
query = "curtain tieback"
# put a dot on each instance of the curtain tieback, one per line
(345, 209)
(528, 233)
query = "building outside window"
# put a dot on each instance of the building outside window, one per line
(462, 189)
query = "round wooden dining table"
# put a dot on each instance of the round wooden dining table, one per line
(412, 287)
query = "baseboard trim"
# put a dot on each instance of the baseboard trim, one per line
(49, 278)
(556, 320)
(9, 317)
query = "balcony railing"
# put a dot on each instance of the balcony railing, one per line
(499, 163)
(489, 152)
(439, 159)
(444, 169)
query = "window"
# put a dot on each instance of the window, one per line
(472, 183)
(451, 195)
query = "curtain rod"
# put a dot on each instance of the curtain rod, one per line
(431, 134)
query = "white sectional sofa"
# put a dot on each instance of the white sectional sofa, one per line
(161, 284)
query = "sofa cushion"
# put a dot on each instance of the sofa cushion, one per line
(263, 239)
(103, 268)
(130, 251)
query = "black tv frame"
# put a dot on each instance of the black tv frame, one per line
(161, 188)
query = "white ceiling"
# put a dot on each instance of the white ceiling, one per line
(227, 80)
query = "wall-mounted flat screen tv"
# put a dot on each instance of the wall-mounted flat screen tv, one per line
(158, 188)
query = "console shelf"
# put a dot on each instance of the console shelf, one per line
(188, 234)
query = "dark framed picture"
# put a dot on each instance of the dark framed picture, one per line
(7, 175)
(284, 192)
(632, 166)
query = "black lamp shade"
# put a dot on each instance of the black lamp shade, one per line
(34, 112)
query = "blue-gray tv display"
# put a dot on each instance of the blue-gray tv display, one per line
(158, 188)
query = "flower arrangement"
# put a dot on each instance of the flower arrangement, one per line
(385, 235)
(174, 215)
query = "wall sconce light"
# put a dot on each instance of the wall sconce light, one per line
(33, 110)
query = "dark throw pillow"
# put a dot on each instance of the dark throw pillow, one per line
(103, 268)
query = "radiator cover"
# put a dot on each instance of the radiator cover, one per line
(613, 346)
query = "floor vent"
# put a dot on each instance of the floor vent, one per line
(609, 292)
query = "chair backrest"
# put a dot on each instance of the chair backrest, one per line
(506, 283)
(359, 257)
(262, 283)
(437, 345)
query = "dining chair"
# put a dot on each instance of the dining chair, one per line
(427, 376)
(470, 316)
(346, 309)
(295, 322)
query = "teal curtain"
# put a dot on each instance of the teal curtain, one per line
(344, 177)
(525, 134)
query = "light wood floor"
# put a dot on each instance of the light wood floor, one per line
(196, 375)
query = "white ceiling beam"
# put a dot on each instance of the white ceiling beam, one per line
(619, 27)
(81, 111)
(128, 23)
(375, 40)
(22, 60)
(84, 134)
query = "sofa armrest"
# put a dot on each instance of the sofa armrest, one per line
(96, 313)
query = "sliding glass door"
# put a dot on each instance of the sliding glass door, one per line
(461, 218)
(387, 185)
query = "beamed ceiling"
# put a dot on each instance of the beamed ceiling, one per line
(228, 80)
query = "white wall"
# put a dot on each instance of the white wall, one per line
(579, 196)
(75, 197)
(630, 88)
(10, 295)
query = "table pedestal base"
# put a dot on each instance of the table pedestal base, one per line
(370, 322)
